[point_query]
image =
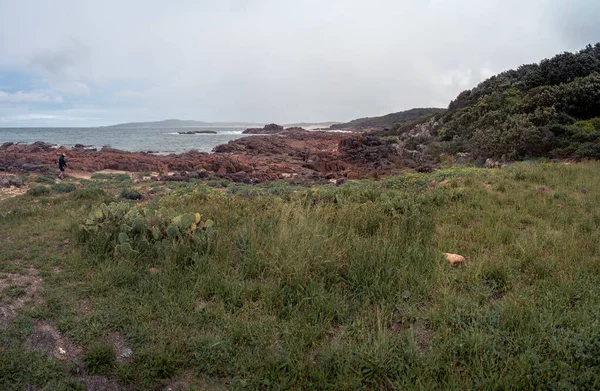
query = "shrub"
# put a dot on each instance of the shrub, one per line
(45, 179)
(130, 194)
(39, 191)
(64, 187)
(100, 359)
(87, 194)
(123, 178)
(218, 183)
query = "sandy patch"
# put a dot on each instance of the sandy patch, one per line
(99, 383)
(84, 307)
(12, 191)
(46, 338)
(122, 350)
(31, 285)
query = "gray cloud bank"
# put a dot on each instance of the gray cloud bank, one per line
(273, 60)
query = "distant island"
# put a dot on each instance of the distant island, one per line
(178, 123)
(309, 125)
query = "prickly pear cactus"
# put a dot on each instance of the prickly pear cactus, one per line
(172, 231)
(143, 232)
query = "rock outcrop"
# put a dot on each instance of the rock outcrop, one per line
(268, 129)
(290, 153)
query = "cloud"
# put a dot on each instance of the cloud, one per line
(28, 97)
(129, 94)
(59, 60)
(73, 88)
(278, 60)
(37, 117)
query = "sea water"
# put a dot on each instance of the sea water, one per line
(157, 140)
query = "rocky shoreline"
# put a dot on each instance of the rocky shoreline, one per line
(288, 153)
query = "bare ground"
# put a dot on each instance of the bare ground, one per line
(31, 283)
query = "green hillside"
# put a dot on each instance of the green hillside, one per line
(544, 109)
(389, 120)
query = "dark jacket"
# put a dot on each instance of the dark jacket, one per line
(61, 162)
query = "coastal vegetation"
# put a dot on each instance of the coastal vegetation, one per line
(389, 120)
(550, 109)
(278, 286)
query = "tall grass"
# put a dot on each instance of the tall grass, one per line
(346, 287)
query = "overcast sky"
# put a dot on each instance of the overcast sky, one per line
(87, 63)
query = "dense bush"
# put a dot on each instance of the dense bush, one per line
(519, 113)
(39, 191)
(130, 194)
(64, 187)
(86, 194)
(45, 179)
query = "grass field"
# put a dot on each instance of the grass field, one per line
(330, 288)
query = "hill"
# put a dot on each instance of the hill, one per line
(309, 125)
(389, 120)
(546, 109)
(177, 123)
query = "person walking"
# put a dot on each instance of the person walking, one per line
(61, 166)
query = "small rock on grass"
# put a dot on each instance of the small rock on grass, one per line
(545, 191)
(455, 259)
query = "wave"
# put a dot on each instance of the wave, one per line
(226, 133)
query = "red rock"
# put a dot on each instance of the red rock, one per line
(291, 152)
(353, 175)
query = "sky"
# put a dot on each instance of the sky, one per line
(91, 63)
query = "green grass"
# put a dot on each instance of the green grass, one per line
(102, 176)
(64, 187)
(330, 287)
(37, 191)
(89, 193)
(13, 292)
(45, 179)
(100, 359)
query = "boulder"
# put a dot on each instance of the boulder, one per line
(455, 259)
(491, 163)
(11, 180)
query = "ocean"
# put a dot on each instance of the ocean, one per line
(157, 140)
